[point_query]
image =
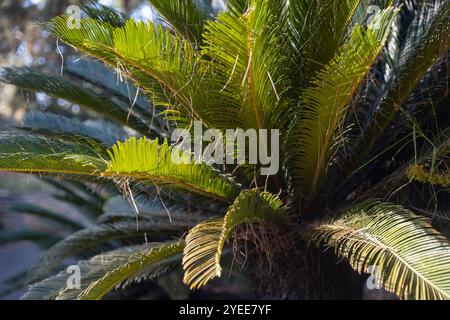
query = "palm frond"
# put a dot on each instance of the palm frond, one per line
(96, 39)
(104, 272)
(205, 242)
(176, 79)
(144, 159)
(164, 59)
(91, 31)
(411, 258)
(315, 134)
(37, 154)
(318, 29)
(184, 17)
(162, 64)
(249, 68)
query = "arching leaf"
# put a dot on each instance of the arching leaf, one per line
(205, 242)
(37, 154)
(247, 51)
(144, 159)
(104, 272)
(315, 132)
(411, 259)
(318, 29)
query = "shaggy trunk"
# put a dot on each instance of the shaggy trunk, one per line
(295, 271)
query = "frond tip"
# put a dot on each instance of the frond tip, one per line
(314, 136)
(411, 258)
(205, 242)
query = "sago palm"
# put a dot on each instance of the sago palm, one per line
(356, 101)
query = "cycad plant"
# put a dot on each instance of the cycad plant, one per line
(356, 100)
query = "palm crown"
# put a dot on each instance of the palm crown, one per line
(338, 87)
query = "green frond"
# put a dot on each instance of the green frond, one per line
(156, 51)
(96, 39)
(428, 40)
(58, 87)
(315, 132)
(411, 258)
(164, 59)
(91, 31)
(102, 13)
(103, 280)
(205, 242)
(92, 237)
(318, 29)
(37, 154)
(104, 272)
(249, 66)
(164, 65)
(176, 79)
(145, 159)
(184, 17)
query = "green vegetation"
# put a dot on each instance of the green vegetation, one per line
(357, 105)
